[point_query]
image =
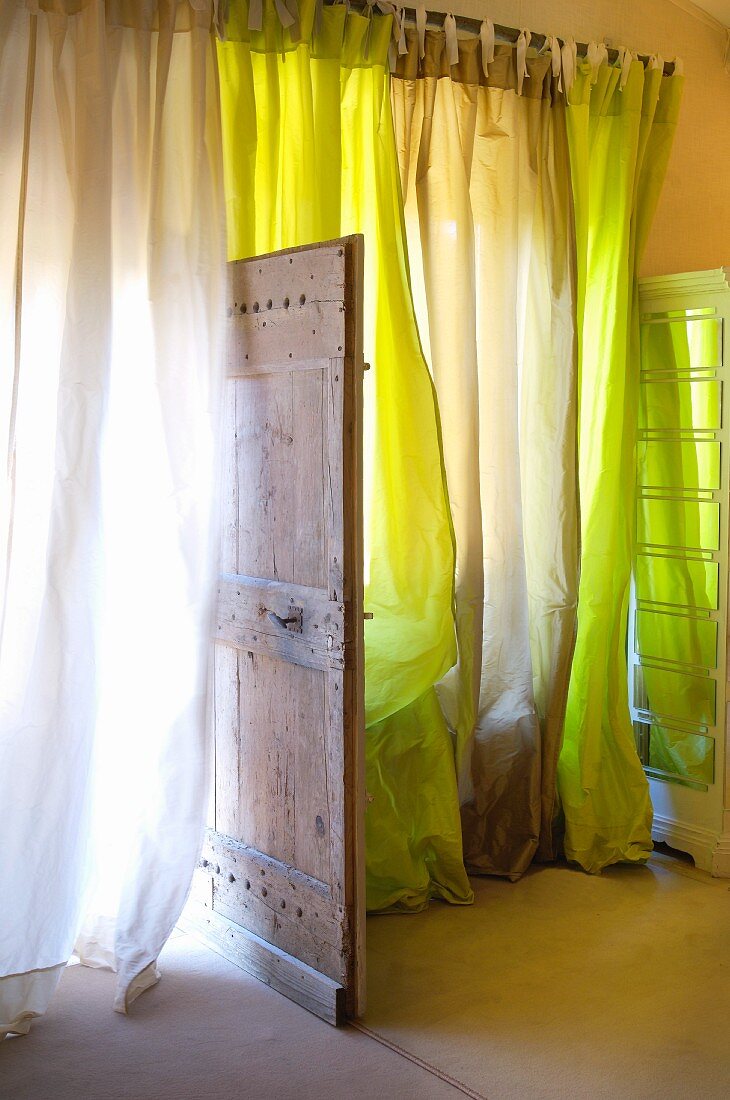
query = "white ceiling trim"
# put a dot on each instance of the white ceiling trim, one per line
(704, 15)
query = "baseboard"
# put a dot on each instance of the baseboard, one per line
(709, 850)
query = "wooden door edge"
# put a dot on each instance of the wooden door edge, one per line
(355, 253)
(315, 246)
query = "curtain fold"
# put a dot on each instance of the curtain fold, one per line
(486, 183)
(620, 140)
(111, 279)
(309, 155)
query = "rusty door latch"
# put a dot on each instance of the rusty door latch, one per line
(292, 623)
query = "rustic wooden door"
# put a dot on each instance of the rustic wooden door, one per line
(280, 889)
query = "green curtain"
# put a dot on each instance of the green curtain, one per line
(309, 155)
(619, 140)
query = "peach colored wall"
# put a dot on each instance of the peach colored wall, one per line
(691, 230)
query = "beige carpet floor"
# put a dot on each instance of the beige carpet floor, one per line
(559, 986)
(207, 1031)
(565, 985)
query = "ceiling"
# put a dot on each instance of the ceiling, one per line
(718, 9)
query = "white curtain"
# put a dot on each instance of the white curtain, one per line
(111, 276)
(486, 180)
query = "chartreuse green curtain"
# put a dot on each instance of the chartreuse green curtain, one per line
(309, 155)
(620, 139)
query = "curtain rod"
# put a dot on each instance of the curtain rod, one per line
(435, 21)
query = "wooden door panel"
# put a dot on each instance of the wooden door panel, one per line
(279, 888)
(281, 803)
(281, 476)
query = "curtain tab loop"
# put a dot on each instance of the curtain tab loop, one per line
(421, 31)
(295, 29)
(220, 18)
(397, 44)
(366, 43)
(486, 37)
(656, 61)
(402, 40)
(285, 16)
(678, 66)
(569, 55)
(551, 46)
(523, 43)
(626, 58)
(594, 56)
(255, 15)
(399, 25)
(452, 44)
(392, 56)
(556, 61)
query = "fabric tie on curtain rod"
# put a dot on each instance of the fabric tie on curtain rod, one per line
(564, 53)
(490, 32)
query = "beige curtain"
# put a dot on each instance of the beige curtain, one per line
(486, 184)
(111, 280)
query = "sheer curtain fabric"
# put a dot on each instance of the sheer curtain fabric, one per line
(111, 275)
(486, 183)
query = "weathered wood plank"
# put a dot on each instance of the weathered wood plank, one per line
(251, 605)
(318, 272)
(229, 483)
(293, 910)
(245, 369)
(219, 850)
(301, 983)
(339, 699)
(297, 936)
(264, 436)
(266, 728)
(334, 473)
(226, 740)
(309, 484)
(322, 616)
(281, 480)
(282, 713)
(284, 335)
(289, 647)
